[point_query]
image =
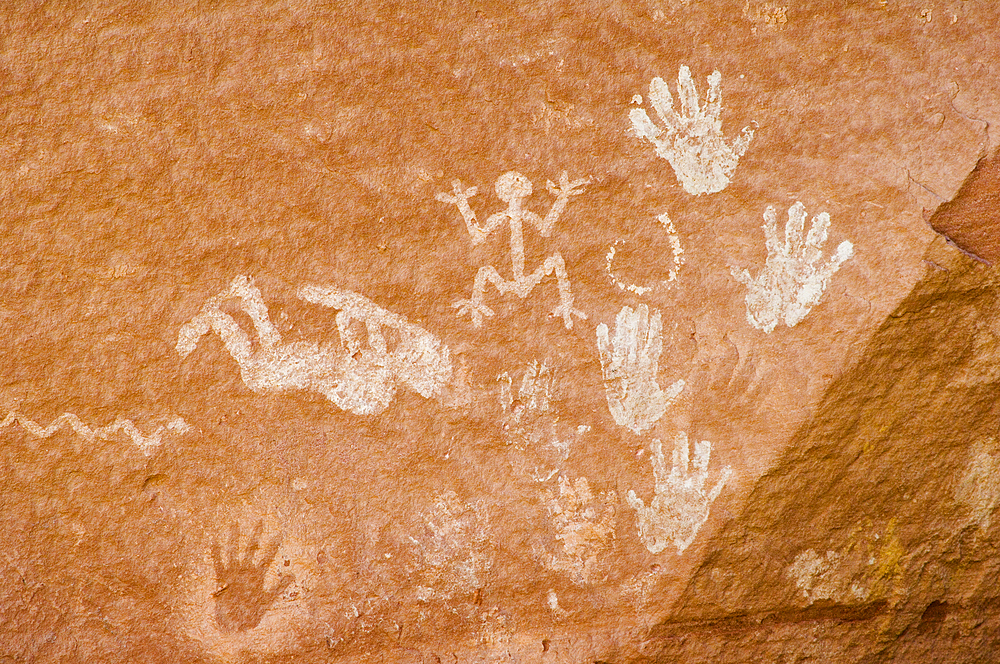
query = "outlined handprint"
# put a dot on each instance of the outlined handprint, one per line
(241, 599)
(513, 189)
(792, 281)
(681, 503)
(692, 140)
(629, 365)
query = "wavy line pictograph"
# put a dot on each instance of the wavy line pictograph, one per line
(146, 442)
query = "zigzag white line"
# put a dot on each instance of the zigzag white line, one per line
(146, 443)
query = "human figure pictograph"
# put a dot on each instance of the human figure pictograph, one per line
(513, 188)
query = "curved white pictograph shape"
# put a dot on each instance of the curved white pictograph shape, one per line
(145, 442)
(677, 259)
(629, 364)
(513, 189)
(681, 504)
(358, 377)
(793, 280)
(691, 140)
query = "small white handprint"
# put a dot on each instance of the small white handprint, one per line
(692, 141)
(681, 504)
(629, 365)
(792, 282)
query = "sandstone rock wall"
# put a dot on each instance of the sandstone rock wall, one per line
(550, 332)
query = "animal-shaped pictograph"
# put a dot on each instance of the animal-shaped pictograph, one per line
(359, 377)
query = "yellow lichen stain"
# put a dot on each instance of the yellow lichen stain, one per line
(888, 567)
(869, 443)
(867, 568)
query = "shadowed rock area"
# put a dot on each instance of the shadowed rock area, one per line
(970, 220)
(893, 557)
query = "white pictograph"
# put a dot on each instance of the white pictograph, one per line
(676, 261)
(455, 550)
(358, 377)
(630, 364)
(817, 575)
(530, 423)
(792, 281)
(692, 140)
(584, 525)
(513, 189)
(681, 503)
(145, 442)
(979, 488)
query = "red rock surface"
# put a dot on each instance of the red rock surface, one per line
(449, 508)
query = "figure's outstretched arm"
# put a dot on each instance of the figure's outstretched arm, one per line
(562, 192)
(460, 198)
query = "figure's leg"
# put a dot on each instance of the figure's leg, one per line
(475, 306)
(236, 341)
(252, 303)
(555, 264)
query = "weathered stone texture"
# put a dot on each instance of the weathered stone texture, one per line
(377, 479)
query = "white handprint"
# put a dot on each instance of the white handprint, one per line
(681, 503)
(630, 364)
(692, 141)
(792, 282)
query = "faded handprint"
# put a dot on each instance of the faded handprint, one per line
(241, 599)
(530, 423)
(513, 188)
(692, 141)
(630, 364)
(792, 282)
(681, 503)
(584, 526)
(455, 551)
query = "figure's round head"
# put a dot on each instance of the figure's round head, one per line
(512, 186)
